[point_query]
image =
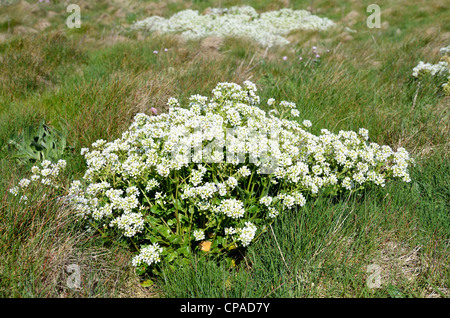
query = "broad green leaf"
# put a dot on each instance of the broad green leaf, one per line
(253, 209)
(184, 250)
(147, 283)
(171, 256)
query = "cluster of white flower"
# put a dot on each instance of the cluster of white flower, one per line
(125, 177)
(197, 175)
(148, 255)
(203, 192)
(273, 213)
(151, 184)
(442, 68)
(232, 208)
(46, 175)
(446, 86)
(445, 51)
(266, 200)
(266, 28)
(247, 233)
(130, 223)
(244, 234)
(244, 172)
(199, 235)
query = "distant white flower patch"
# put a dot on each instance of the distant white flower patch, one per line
(422, 68)
(267, 28)
(441, 68)
(445, 51)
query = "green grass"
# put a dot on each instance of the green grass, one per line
(324, 249)
(91, 81)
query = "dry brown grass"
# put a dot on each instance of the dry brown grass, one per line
(43, 238)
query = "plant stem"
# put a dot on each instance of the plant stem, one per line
(279, 249)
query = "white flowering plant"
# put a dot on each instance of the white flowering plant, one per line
(440, 70)
(211, 177)
(44, 174)
(266, 28)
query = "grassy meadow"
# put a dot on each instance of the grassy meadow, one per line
(89, 82)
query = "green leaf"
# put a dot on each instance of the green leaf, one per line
(184, 250)
(156, 209)
(38, 143)
(242, 193)
(179, 204)
(253, 209)
(182, 261)
(140, 270)
(174, 238)
(153, 239)
(151, 220)
(171, 256)
(217, 241)
(215, 250)
(230, 262)
(183, 218)
(147, 283)
(164, 231)
(394, 291)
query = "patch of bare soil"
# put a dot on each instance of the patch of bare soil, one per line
(210, 47)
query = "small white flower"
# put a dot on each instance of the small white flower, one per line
(347, 183)
(159, 195)
(24, 183)
(46, 181)
(288, 201)
(199, 235)
(173, 102)
(266, 200)
(244, 171)
(61, 164)
(232, 208)
(307, 123)
(14, 191)
(232, 182)
(230, 231)
(148, 255)
(273, 212)
(151, 184)
(364, 133)
(46, 163)
(247, 233)
(46, 172)
(130, 223)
